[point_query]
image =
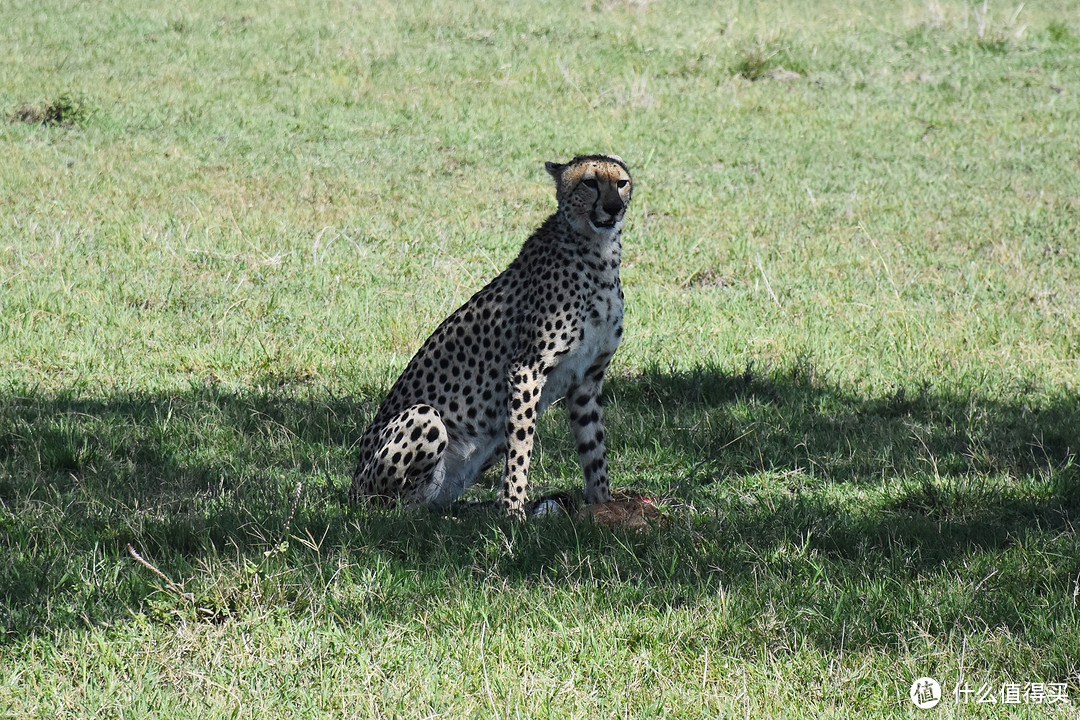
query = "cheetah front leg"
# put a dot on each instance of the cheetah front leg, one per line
(587, 423)
(526, 384)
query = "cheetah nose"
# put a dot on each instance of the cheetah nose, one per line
(613, 207)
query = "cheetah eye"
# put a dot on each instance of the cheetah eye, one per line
(590, 183)
(622, 184)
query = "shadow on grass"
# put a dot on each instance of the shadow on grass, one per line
(863, 511)
(791, 420)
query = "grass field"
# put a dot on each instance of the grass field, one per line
(851, 363)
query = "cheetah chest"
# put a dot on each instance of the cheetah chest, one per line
(601, 332)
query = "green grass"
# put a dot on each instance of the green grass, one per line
(851, 361)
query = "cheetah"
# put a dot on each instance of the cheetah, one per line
(544, 329)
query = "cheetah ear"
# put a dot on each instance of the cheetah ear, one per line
(555, 169)
(618, 159)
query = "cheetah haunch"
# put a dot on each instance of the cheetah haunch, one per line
(545, 328)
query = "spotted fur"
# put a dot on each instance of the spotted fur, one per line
(545, 328)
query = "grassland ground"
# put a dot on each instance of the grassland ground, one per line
(851, 364)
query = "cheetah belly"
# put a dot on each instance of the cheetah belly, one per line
(601, 338)
(460, 465)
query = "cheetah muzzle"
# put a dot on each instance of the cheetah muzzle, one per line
(545, 328)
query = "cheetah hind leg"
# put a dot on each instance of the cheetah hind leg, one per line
(408, 461)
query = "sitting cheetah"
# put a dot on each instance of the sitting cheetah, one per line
(545, 328)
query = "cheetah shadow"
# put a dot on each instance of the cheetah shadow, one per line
(182, 476)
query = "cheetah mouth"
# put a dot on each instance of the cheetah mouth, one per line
(603, 225)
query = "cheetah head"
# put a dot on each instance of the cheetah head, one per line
(593, 192)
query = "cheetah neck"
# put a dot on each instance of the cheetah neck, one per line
(603, 254)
